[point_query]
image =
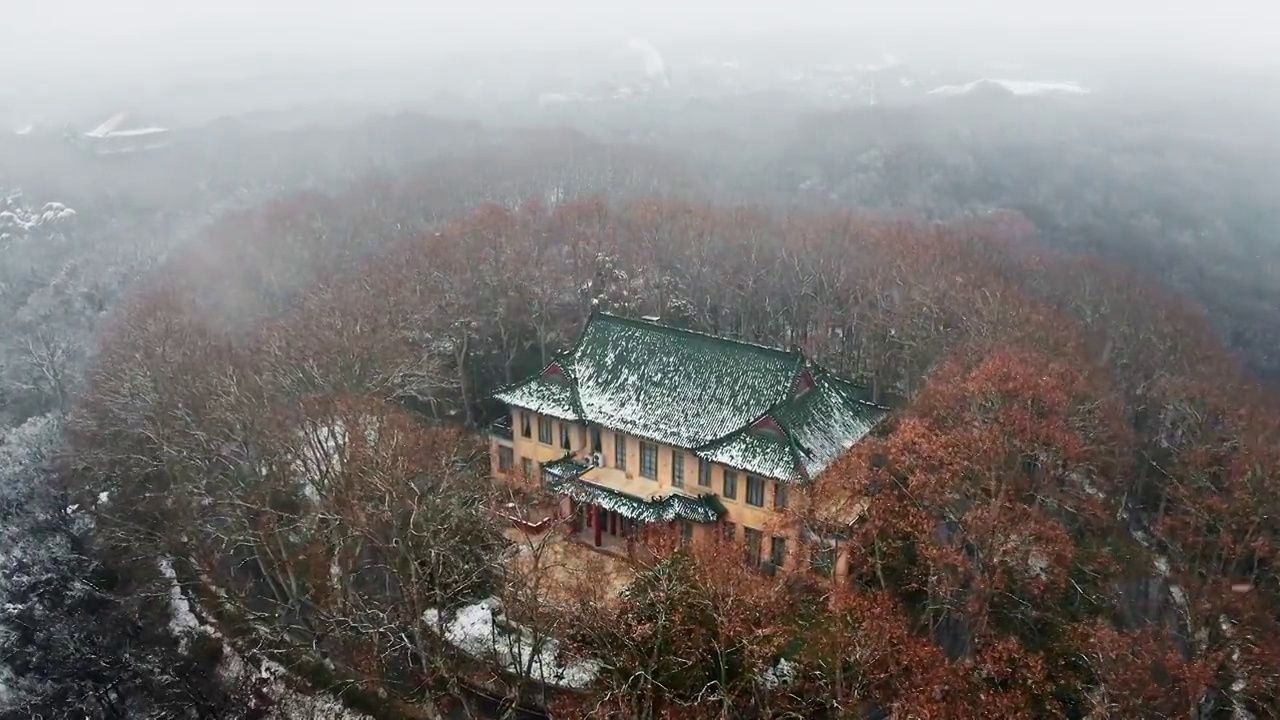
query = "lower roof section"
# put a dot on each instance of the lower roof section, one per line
(565, 478)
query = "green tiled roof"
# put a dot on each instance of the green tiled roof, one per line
(815, 429)
(701, 509)
(701, 392)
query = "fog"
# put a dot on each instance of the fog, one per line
(223, 221)
(66, 38)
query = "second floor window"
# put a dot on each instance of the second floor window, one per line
(677, 468)
(648, 460)
(779, 496)
(730, 485)
(755, 491)
(544, 430)
(704, 473)
(620, 451)
(506, 458)
(595, 439)
(565, 443)
(525, 430)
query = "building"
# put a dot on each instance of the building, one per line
(642, 423)
(118, 135)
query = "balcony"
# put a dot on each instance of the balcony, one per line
(500, 430)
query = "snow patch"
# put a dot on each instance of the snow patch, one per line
(183, 622)
(480, 630)
(781, 674)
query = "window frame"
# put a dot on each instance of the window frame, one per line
(677, 468)
(781, 495)
(526, 426)
(506, 458)
(822, 560)
(755, 491)
(704, 472)
(545, 434)
(526, 467)
(648, 460)
(729, 484)
(753, 540)
(776, 559)
(620, 451)
(566, 441)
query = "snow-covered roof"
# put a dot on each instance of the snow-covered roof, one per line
(763, 410)
(564, 477)
(115, 126)
(1017, 87)
(107, 126)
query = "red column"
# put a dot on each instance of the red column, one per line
(576, 516)
(595, 522)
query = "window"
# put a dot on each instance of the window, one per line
(730, 485)
(677, 468)
(525, 430)
(754, 539)
(823, 561)
(778, 552)
(544, 430)
(779, 496)
(595, 439)
(506, 458)
(704, 473)
(686, 532)
(526, 467)
(648, 460)
(565, 443)
(620, 451)
(730, 531)
(755, 491)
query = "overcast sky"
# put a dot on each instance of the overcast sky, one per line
(68, 35)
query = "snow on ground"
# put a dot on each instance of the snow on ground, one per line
(781, 674)
(273, 679)
(183, 622)
(480, 631)
(1017, 87)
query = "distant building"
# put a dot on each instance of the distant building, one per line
(119, 135)
(642, 423)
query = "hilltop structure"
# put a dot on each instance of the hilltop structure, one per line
(119, 136)
(643, 423)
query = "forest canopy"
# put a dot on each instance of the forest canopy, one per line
(1070, 513)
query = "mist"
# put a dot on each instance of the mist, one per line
(66, 38)
(985, 297)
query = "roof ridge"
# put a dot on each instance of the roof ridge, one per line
(830, 376)
(697, 333)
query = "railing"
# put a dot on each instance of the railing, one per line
(501, 429)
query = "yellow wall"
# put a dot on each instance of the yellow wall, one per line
(631, 482)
